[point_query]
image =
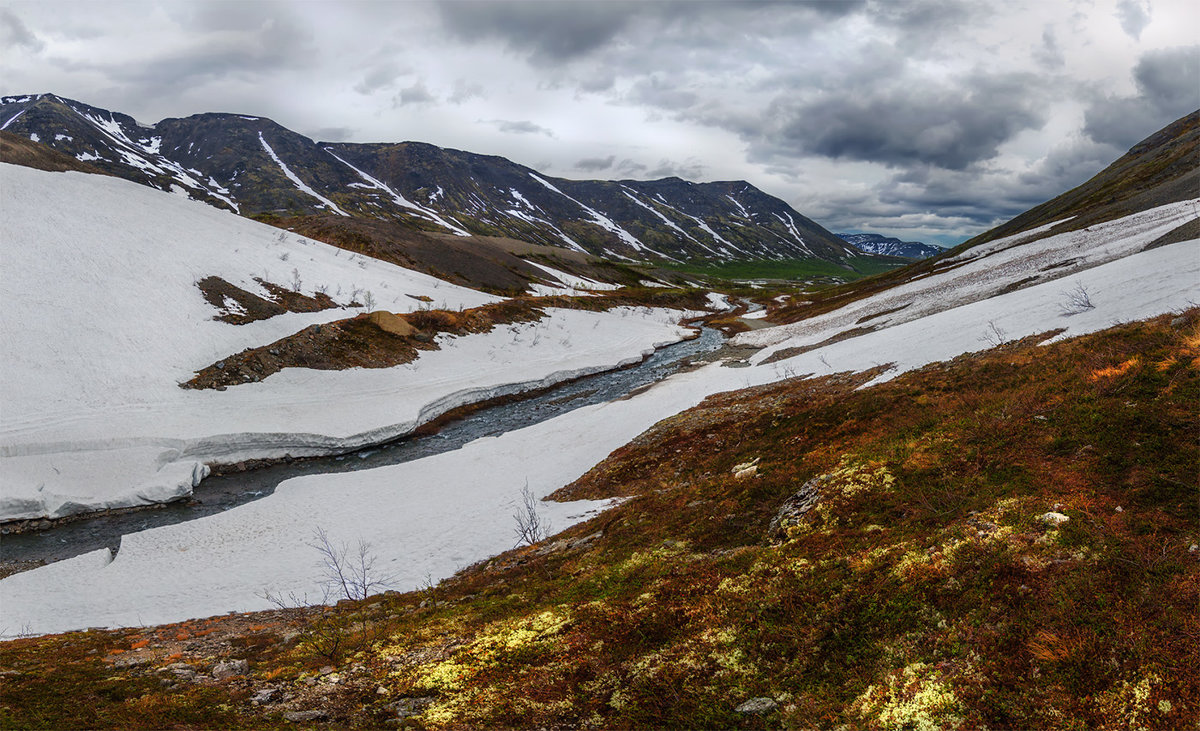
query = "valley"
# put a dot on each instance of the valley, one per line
(388, 434)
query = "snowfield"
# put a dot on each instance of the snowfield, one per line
(101, 320)
(432, 516)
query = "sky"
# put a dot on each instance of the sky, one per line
(929, 120)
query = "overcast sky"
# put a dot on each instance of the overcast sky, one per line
(929, 119)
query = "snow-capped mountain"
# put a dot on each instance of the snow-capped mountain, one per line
(872, 243)
(254, 166)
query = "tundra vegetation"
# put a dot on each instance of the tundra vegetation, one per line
(1006, 540)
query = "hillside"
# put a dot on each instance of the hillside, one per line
(1159, 172)
(1163, 168)
(961, 495)
(253, 166)
(1006, 540)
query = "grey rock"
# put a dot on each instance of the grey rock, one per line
(301, 716)
(266, 695)
(230, 669)
(794, 508)
(407, 707)
(757, 706)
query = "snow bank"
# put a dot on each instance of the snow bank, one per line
(437, 514)
(979, 277)
(441, 513)
(102, 319)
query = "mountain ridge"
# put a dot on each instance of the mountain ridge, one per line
(873, 243)
(254, 166)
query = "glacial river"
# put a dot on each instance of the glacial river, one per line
(24, 551)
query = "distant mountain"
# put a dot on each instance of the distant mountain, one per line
(888, 246)
(254, 166)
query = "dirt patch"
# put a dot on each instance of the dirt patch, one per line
(238, 307)
(383, 339)
(356, 342)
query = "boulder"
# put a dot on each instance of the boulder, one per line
(230, 669)
(789, 514)
(390, 323)
(1053, 518)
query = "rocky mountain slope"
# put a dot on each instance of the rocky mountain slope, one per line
(1159, 171)
(252, 165)
(872, 243)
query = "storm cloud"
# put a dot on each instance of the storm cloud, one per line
(520, 127)
(1168, 87)
(928, 119)
(944, 126)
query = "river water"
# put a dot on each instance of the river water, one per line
(24, 551)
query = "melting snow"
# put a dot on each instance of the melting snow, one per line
(11, 119)
(297, 181)
(399, 199)
(598, 218)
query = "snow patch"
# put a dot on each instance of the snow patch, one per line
(297, 181)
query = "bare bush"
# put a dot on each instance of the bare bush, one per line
(994, 335)
(1076, 300)
(347, 574)
(531, 527)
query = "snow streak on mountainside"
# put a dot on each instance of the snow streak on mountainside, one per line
(254, 166)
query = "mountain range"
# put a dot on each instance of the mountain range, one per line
(256, 167)
(873, 243)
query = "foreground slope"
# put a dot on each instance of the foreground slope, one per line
(1006, 540)
(103, 318)
(254, 166)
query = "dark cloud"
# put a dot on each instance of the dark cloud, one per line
(13, 33)
(1134, 16)
(655, 92)
(520, 127)
(595, 164)
(380, 77)
(920, 22)
(418, 93)
(551, 31)
(1049, 55)
(631, 169)
(948, 206)
(276, 42)
(1168, 87)
(935, 124)
(465, 90)
(690, 169)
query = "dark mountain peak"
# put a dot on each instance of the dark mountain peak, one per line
(253, 165)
